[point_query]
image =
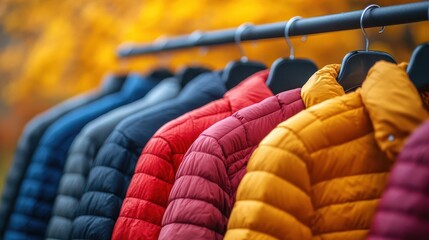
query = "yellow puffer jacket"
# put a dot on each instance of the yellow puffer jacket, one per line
(320, 174)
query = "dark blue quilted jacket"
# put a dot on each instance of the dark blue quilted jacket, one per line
(31, 135)
(115, 162)
(34, 203)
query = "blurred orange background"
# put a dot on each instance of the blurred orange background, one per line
(51, 50)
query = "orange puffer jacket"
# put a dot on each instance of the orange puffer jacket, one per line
(320, 174)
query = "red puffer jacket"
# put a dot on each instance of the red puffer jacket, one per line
(143, 208)
(206, 182)
(403, 212)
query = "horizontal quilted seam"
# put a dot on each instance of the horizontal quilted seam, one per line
(343, 203)
(145, 200)
(193, 224)
(139, 219)
(72, 156)
(253, 230)
(102, 192)
(63, 218)
(108, 168)
(47, 167)
(343, 143)
(409, 188)
(350, 230)
(206, 153)
(68, 197)
(279, 209)
(73, 175)
(53, 162)
(37, 199)
(280, 178)
(124, 177)
(153, 155)
(417, 164)
(33, 219)
(146, 174)
(92, 216)
(406, 213)
(200, 200)
(351, 175)
(205, 179)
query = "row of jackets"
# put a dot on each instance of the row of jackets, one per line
(142, 158)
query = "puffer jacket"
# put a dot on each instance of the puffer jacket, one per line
(31, 135)
(83, 152)
(216, 163)
(114, 165)
(403, 211)
(33, 207)
(146, 200)
(321, 173)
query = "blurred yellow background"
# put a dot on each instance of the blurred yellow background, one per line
(51, 50)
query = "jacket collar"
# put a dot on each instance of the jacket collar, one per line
(393, 104)
(322, 86)
(252, 90)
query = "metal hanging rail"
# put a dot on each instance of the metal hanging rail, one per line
(384, 16)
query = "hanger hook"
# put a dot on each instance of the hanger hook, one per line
(195, 36)
(161, 41)
(363, 29)
(237, 38)
(288, 41)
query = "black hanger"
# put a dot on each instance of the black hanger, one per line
(237, 71)
(186, 74)
(290, 73)
(418, 68)
(159, 73)
(356, 64)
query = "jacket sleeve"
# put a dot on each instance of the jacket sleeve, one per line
(147, 195)
(106, 187)
(199, 204)
(273, 199)
(403, 211)
(71, 187)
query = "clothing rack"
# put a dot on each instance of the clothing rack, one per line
(376, 17)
